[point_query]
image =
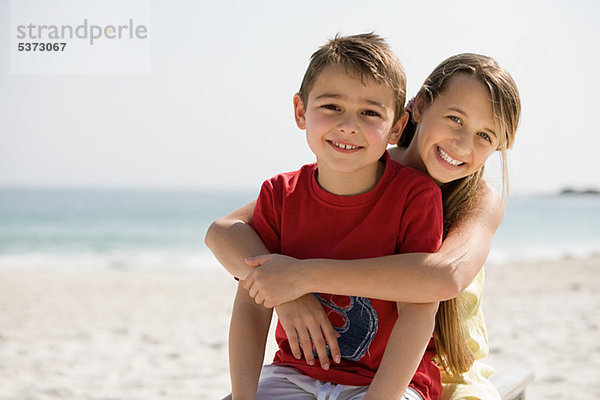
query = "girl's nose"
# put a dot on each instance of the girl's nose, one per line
(462, 143)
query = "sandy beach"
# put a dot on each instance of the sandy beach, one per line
(134, 335)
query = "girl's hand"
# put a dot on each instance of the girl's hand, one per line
(304, 319)
(277, 280)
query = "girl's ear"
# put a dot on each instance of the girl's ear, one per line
(299, 112)
(419, 108)
(398, 128)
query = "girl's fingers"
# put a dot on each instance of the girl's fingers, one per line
(258, 260)
(259, 299)
(247, 284)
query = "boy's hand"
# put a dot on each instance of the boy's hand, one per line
(277, 280)
(304, 319)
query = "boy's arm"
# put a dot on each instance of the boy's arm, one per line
(231, 239)
(404, 351)
(247, 339)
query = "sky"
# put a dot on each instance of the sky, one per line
(214, 110)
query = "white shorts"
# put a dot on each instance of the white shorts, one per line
(287, 383)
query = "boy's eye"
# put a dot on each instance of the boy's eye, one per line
(455, 119)
(330, 107)
(371, 113)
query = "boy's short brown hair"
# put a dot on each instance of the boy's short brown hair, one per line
(363, 55)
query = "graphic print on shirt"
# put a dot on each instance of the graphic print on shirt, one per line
(355, 319)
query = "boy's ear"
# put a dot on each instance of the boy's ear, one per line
(398, 128)
(299, 112)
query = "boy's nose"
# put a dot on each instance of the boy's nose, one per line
(348, 125)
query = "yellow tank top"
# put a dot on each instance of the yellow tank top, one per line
(473, 384)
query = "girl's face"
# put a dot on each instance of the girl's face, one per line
(456, 133)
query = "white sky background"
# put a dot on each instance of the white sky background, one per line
(216, 111)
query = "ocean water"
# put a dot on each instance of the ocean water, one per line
(164, 229)
(114, 229)
(548, 227)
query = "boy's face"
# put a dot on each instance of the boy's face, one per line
(348, 123)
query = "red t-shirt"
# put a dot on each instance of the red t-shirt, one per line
(401, 214)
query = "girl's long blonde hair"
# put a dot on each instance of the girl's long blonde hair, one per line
(458, 196)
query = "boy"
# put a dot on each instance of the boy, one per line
(353, 203)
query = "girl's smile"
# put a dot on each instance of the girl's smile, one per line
(446, 158)
(456, 133)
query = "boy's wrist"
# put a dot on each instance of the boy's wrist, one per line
(245, 395)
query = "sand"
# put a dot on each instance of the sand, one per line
(547, 316)
(134, 335)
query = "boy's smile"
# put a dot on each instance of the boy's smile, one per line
(344, 147)
(349, 122)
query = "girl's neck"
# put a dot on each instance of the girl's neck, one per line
(408, 156)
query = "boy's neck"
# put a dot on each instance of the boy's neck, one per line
(350, 183)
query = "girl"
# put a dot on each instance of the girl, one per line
(467, 108)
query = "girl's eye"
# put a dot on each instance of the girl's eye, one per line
(485, 136)
(455, 119)
(371, 113)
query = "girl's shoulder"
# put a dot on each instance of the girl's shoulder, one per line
(488, 203)
(488, 194)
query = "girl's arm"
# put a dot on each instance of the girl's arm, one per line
(231, 239)
(409, 278)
